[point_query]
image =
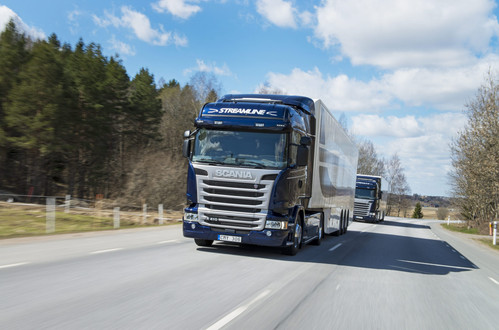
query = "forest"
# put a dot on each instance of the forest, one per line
(72, 121)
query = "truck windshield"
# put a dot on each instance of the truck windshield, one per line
(252, 149)
(365, 193)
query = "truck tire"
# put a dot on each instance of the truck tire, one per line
(340, 229)
(320, 234)
(203, 242)
(297, 240)
(346, 222)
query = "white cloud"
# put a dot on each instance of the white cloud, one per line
(121, 47)
(443, 88)
(374, 125)
(210, 68)
(339, 93)
(6, 14)
(422, 144)
(278, 12)
(141, 26)
(447, 124)
(179, 8)
(426, 162)
(394, 33)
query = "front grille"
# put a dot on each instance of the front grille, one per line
(361, 209)
(227, 204)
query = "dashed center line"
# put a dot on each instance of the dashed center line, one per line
(105, 251)
(170, 241)
(14, 265)
(490, 278)
(335, 247)
(238, 311)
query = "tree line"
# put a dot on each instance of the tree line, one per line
(475, 157)
(72, 121)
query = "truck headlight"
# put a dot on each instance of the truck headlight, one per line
(188, 216)
(272, 224)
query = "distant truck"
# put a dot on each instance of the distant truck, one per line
(270, 170)
(370, 202)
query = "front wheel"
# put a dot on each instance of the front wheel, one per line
(320, 232)
(297, 237)
(203, 242)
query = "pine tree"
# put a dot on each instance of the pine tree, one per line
(13, 55)
(145, 108)
(418, 213)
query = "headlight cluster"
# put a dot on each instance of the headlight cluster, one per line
(188, 216)
(272, 224)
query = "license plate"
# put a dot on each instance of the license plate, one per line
(228, 238)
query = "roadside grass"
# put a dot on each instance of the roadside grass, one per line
(488, 242)
(461, 229)
(25, 221)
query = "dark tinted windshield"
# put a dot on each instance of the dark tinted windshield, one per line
(365, 193)
(252, 149)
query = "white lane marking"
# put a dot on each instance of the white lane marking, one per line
(335, 247)
(105, 251)
(235, 313)
(490, 278)
(14, 265)
(432, 264)
(337, 287)
(170, 241)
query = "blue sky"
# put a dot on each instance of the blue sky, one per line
(401, 71)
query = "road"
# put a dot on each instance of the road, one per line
(400, 274)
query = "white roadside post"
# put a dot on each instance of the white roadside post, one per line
(50, 215)
(160, 214)
(144, 211)
(67, 203)
(116, 217)
(495, 233)
(448, 220)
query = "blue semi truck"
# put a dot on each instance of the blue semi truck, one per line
(270, 170)
(370, 201)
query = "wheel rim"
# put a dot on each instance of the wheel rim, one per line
(297, 235)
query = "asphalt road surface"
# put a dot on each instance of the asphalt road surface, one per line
(400, 274)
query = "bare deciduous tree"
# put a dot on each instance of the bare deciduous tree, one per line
(398, 187)
(475, 157)
(369, 162)
(267, 89)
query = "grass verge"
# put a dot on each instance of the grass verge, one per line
(489, 243)
(474, 231)
(460, 228)
(31, 221)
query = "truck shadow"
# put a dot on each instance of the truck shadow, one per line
(367, 250)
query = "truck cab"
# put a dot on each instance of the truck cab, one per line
(369, 203)
(257, 172)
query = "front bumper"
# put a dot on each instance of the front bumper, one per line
(277, 237)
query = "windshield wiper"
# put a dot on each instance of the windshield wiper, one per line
(210, 161)
(247, 162)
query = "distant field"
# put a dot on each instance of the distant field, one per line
(20, 220)
(431, 213)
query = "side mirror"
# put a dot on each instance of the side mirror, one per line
(302, 156)
(305, 141)
(186, 148)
